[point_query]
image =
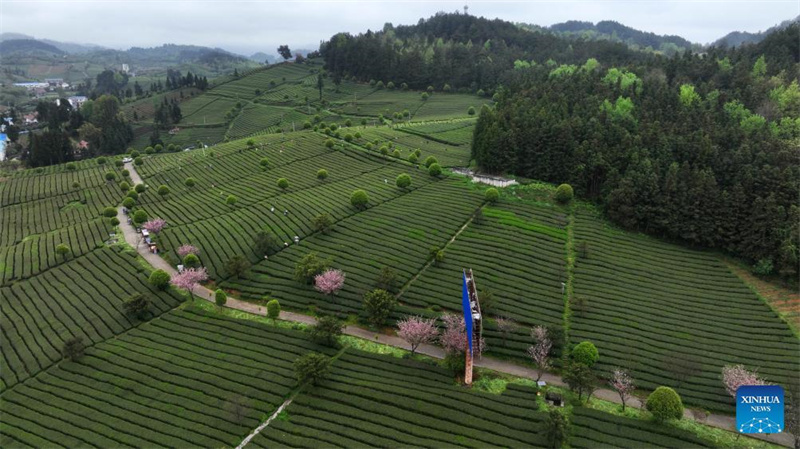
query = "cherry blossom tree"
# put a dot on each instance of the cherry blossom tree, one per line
(155, 225)
(329, 282)
(454, 337)
(188, 279)
(416, 330)
(622, 382)
(540, 351)
(734, 376)
(187, 249)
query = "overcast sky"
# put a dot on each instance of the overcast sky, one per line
(249, 26)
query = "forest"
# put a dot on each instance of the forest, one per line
(700, 148)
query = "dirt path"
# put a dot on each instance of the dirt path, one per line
(264, 424)
(134, 239)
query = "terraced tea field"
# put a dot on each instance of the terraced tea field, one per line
(594, 429)
(40, 313)
(517, 251)
(448, 155)
(188, 379)
(674, 316)
(378, 401)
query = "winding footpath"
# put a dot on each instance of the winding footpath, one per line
(132, 238)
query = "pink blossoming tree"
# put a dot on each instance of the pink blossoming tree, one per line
(185, 250)
(454, 337)
(734, 376)
(416, 330)
(155, 225)
(540, 351)
(189, 279)
(329, 282)
(622, 382)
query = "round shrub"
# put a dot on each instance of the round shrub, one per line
(62, 250)
(163, 190)
(384, 150)
(585, 352)
(138, 161)
(220, 298)
(273, 309)
(264, 162)
(114, 221)
(430, 160)
(75, 184)
(329, 143)
(283, 183)
(109, 212)
(110, 176)
(348, 137)
(403, 180)
(396, 153)
(189, 182)
(231, 200)
(132, 194)
(101, 161)
(159, 279)
(128, 202)
(665, 404)
(149, 150)
(71, 166)
(191, 261)
(471, 110)
(159, 148)
(424, 96)
(564, 193)
(359, 198)
(124, 186)
(126, 173)
(118, 163)
(412, 158)
(492, 195)
(435, 169)
(322, 174)
(135, 153)
(139, 216)
(140, 188)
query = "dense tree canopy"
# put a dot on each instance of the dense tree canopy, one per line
(701, 148)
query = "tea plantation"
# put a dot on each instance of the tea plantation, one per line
(178, 375)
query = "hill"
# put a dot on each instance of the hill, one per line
(617, 32)
(11, 47)
(737, 38)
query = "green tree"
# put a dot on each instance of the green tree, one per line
(273, 309)
(139, 188)
(263, 242)
(556, 428)
(124, 186)
(359, 199)
(163, 190)
(231, 200)
(73, 348)
(62, 250)
(665, 404)
(564, 194)
(492, 195)
(471, 110)
(109, 212)
(309, 266)
(220, 298)
(403, 181)
(327, 331)
(264, 162)
(191, 261)
(585, 352)
(579, 378)
(430, 160)
(137, 306)
(283, 183)
(189, 182)
(111, 176)
(139, 217)
(322, 174)
(237, 265)
(312, 367)
(379, 304)
(128, 202)
(387, 280)
(159, 279)
(435, 170)
(323, 222)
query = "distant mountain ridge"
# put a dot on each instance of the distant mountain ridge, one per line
(27, 46)
(616, 32)
(737, 38)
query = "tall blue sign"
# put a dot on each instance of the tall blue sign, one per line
(467, 311)
(759, 409)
